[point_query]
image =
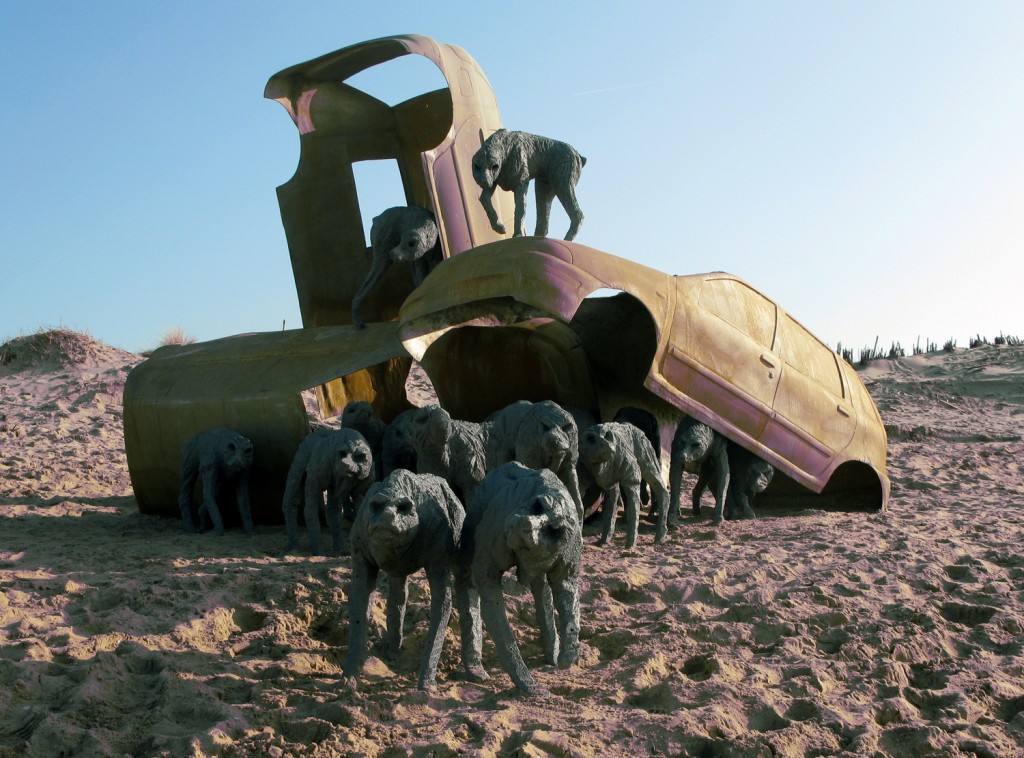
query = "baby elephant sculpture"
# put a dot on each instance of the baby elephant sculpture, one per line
(699, 449)
(449, 448)
(749, 475)
(218, 458)
(511, 159)
(539, 435)
(525, 519)
(399, 234)
(359, 415)
(338, 461)
(619, 457)
(407, 522)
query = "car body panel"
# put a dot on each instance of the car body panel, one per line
(720, 350)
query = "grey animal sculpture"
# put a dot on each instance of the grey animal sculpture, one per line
(338, 461)
(359, 415)
(699, 449)
(749, 475)
(402, 233)
(520, 518)
(218, 458)
(449, 448)
(646, 422)
(538, 435)
(620, 457)
(408, 522)
(509, 160)
(397, 450)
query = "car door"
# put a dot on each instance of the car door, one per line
(814, 418)
(722, 353)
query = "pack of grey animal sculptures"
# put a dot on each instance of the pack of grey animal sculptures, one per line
(699, 449)
(620, 457)
(219, 458)
(403, 233)
(407, 522)
(509, 160)
(520, 518)
(338, 461)
(359, 415)
(449, 448)
(538, 435)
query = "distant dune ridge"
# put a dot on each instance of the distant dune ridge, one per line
(801, 633)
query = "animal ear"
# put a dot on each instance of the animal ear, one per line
(481, 137)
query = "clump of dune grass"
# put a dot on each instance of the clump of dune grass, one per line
(176, 336)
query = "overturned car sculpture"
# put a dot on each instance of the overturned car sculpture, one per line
(500, 319)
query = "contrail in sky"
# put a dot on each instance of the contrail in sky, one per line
(610, 89)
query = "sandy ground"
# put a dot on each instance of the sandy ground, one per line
(802, 633)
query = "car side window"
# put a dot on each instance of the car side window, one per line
(810, 357)
(746, 309)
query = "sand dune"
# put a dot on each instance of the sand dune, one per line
(802, 633)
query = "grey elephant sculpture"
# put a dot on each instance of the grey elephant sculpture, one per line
(509, 160)
(520, 518)
(218, 458)
(403, 233)
(408, 522)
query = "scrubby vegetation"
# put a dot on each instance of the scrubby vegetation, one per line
(868, 354)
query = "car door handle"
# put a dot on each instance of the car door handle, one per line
(768, 360)
(843, 410)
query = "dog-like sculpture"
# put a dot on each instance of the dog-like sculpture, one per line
(218, 458)
(509, 160)
(359, 415)
(338, 461)
(538, 435)
(397, 450)
(619, 457)
(408, 522)
(647, 423)
(749, 475)
(699, 449)
(449, 448)
(520, 518)
(403, 233)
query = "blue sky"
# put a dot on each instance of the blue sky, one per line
(862, 163)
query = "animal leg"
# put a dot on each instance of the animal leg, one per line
(492, 608)
(440, 611)
(210, 492)
(631, 494)
(335, 514)
(567, 197)
(492, 215)
(720, 482)
(398, 598)
(242, 499)
(572, 483)
(364, 579)
(675, 500)
(467, 601)
(544, 195)
(314, 502)
(545, 618)
(188, 482)
(381, 263)
(420, 269)
(659, 502)
(565, 591)
(698, 489)
(290, 505)
(611, 512)
(520, 194)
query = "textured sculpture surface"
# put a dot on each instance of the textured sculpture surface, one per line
(520, 518)
(397, 450)
(359, 415)
(403, 233)
(217, 457)
(509, 160)
(646, 422)
(408, 522)
(338, 461)
(749, 475)
(619, 457)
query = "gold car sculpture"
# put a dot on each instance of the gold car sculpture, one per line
(500, 319)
